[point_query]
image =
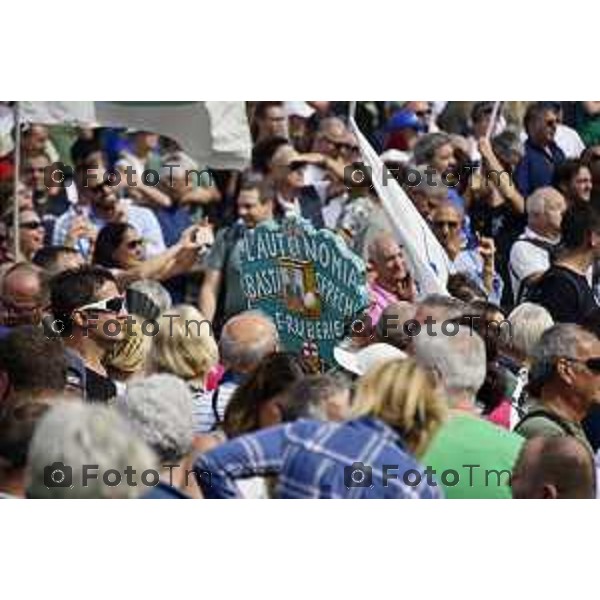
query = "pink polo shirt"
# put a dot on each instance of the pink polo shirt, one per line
(380, 299)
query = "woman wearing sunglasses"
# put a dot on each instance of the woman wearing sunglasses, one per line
(121, 248)
(31, 234)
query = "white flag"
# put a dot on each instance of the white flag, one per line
(427, 258)
(214, 134)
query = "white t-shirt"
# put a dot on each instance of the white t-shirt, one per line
(526, 259)
(568, 141)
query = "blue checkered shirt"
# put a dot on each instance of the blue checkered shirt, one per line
(313, 459)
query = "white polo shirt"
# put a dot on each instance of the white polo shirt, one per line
(526, 259)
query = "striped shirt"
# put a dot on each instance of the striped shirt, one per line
(206, 404)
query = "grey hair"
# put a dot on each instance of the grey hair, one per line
(159, 409)
(430, 182)
(528, 323)
(536, 203)
(75, 435)
(459, 360)
(155, 291)
(244, 356)
(307, 397)
(562, 340)
(427, 146)
(452, 308)
(507, 142)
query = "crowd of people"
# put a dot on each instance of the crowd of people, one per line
(133, 366)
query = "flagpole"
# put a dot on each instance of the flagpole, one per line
(16, 216)
(493, 119)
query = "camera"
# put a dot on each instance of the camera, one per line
(57, 175)
(358, 476)
(358, 175)
(58, 475)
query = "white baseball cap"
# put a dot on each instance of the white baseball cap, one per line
(362, 360)
(299, 109)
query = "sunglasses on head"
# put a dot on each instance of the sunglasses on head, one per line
(114, 305)
(32, 225)
(593, 364)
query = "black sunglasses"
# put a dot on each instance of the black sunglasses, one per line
(449, 224)
(593, 364)
(31, 225)
(133, 244)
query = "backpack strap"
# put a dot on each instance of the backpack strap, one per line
(215, 409)
(523, 283)
(550, 417)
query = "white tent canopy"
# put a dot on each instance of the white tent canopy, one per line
(214, 134)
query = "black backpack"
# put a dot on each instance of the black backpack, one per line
(526, 290)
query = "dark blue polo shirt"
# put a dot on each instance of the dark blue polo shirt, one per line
(537, 167)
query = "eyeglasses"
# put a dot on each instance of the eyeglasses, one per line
(114, 305)
(32, 225)
(448, 224)
(424, 113)
(593, 364)
(133, 244)
(340, 146)
(297, 165)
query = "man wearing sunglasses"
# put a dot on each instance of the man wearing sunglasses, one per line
(23, 296)
(479, 262)
(565, 381)
(98, 205)
(542, 153)
(90, 313)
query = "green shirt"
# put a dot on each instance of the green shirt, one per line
(473, 458)
(225, 257)
(542, 422)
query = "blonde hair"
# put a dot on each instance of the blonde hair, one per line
(404, 395)
(130, 354)
(185, 345)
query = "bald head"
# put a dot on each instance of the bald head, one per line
(23, 294)
(554, 468)
(387, 258)
(245, 340)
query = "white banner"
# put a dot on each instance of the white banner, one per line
(427, 258)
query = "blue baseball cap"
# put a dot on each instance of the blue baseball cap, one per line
(404, 119)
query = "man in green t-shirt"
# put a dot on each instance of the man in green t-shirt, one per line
(469, 456)
(221, 296)
(565, 378)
